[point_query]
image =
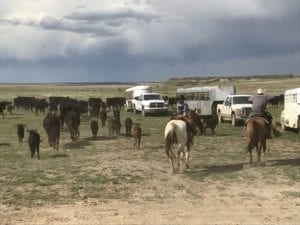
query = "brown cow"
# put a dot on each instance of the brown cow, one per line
(136, 133)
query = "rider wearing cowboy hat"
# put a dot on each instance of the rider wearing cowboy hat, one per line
(259, 104)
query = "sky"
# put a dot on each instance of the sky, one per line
(146, 40)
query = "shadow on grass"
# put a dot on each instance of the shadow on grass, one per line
(5, 144)
(284, 162)
(77, 144)
(201, 172)
(100, 138)
(59, 155)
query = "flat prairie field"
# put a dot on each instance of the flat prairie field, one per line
(104, 180)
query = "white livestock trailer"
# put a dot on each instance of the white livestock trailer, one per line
(290, 116)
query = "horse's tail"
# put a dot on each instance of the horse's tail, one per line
(169, 140)
(250, 134)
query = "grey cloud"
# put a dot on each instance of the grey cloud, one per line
(50, 23)
(121, 14)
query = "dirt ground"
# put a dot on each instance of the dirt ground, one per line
(192, 202)
(226, 208)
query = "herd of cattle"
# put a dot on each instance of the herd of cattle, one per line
(68, 111)
(60, 111)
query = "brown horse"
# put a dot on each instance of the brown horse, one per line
(256, 134)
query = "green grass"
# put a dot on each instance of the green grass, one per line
(109, 168)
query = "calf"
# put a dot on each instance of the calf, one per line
(137, 133)
(20, 132)
(210, 122)
(128, 126)
(114, 126)
(94, 128)
(34, 143)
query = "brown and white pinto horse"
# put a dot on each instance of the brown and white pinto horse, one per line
(179, 133)
(256, 135)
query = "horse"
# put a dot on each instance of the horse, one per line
(180, 131)
(256, 135)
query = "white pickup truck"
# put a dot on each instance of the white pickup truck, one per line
(235, 108)
(149, 103)
(141, 99)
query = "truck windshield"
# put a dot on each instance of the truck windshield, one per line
(241, 100)
(152, 97)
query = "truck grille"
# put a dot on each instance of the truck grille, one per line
(156, 105)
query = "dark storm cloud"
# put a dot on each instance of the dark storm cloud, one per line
(247, 38)
(157, 44)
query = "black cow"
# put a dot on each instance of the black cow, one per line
(95, 105)
(210, 122)
(115, 102)
(40, 105)
(20, 132)
(51, 124)
(34, 143)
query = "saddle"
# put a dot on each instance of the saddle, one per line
(255, 117)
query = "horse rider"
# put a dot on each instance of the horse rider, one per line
(182, 107)
(259, 104)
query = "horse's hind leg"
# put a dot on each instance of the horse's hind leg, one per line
(258, 151)
(251, 157)
(264, 146)
(172, 157)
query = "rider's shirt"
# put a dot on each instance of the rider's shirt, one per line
(259, 103)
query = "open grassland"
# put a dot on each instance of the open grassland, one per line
(106, 181)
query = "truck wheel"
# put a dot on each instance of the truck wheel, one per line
(233, 120)
(144, 112)
(219, 118)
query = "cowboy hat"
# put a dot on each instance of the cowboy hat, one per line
(260, 91)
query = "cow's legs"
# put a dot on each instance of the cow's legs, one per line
(38, 152)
